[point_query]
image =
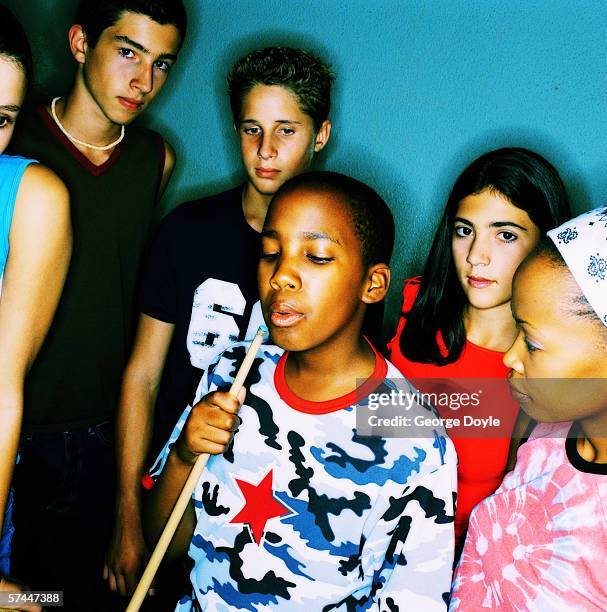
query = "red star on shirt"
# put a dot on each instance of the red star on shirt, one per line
(260, 505)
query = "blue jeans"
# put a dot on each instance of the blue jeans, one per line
(7, 535)
(63, 513)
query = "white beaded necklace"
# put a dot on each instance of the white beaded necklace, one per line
(81, 142)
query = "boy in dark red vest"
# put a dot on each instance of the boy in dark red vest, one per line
(115, 173)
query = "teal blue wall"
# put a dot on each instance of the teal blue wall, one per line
(423, 88)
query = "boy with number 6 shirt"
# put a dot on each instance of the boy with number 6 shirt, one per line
(199, 290)
(295, 509)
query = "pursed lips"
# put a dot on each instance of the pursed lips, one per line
(131, 103)
(518, 395)
(479, 281)
(267, 172)
(283, 314)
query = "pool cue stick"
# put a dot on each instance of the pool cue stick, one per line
(188, 488)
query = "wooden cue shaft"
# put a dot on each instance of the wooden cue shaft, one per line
(188, 488)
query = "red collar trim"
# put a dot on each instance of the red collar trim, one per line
(69, 146)
(332, 405)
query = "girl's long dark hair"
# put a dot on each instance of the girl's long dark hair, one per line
(14, 43)
(526, 180)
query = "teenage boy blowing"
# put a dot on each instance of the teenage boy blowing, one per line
(115, 173)
(200, 289)
(295, 511)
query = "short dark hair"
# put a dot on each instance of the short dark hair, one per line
(14, 44)
(96, 15)
(526, 180)
(371, 217)
(373, 225)
(302, 73)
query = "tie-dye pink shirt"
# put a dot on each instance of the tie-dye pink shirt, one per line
(540, 542)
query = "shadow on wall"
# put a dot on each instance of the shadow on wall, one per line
(555, 151)
(47, 33)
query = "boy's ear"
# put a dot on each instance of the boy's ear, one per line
(78, 46)
(378, 282)
(322, 136)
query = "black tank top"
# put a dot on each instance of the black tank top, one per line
(76, 378)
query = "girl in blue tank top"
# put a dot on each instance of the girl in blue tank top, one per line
(35, 246)
(11, 172)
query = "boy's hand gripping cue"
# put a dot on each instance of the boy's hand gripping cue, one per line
(189, 486)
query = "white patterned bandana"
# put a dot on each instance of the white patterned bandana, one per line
(582, 242)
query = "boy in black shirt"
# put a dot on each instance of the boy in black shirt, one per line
(200, 289)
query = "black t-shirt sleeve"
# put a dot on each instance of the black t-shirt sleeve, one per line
(158, 296)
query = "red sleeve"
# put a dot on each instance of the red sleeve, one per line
(410, 291)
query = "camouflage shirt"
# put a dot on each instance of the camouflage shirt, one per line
(301, 513)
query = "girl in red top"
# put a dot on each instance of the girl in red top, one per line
(456, 320)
